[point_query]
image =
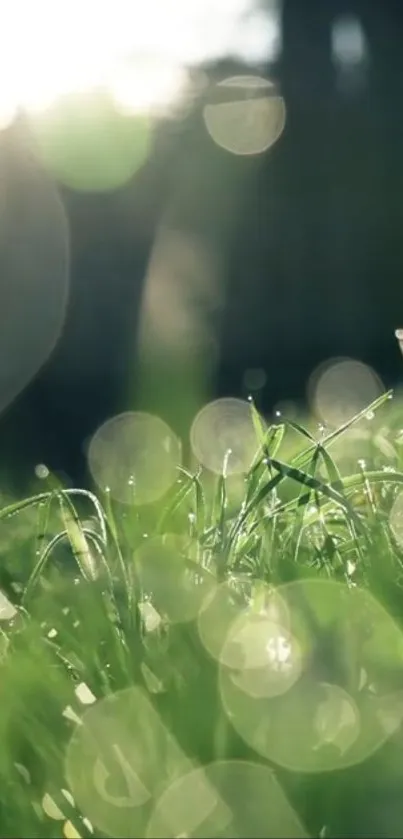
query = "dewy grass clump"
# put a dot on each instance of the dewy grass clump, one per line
(227, 661)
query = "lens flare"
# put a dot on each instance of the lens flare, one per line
(349, 47)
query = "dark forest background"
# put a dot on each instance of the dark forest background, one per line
(309, 238)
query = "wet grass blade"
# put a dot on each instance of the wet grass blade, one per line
(301, 458)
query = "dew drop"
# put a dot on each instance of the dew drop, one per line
(41, 471)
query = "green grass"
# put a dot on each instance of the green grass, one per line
(305, 541)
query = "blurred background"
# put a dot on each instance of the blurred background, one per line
(196, 200)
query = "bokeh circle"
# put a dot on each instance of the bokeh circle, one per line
(223, 436)
(225, 799)
(339, 709)
(135, 456)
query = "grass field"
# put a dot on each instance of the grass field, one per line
(227, 662)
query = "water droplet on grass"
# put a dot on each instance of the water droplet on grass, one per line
(41, 471)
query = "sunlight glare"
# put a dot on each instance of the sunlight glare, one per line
(8, 112)
(50, 50)
(138, 87)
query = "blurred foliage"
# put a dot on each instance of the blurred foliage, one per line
(108, 596)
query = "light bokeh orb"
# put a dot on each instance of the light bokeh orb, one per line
(225, 798)
(219, 611)
(339, 710)
(246, 116)
(254, 378)
(264, 657)
(341, 388)
(348, 41)
(223, 437)
(228, 609)
(119, 760)
(134, 456)
(87, 145)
